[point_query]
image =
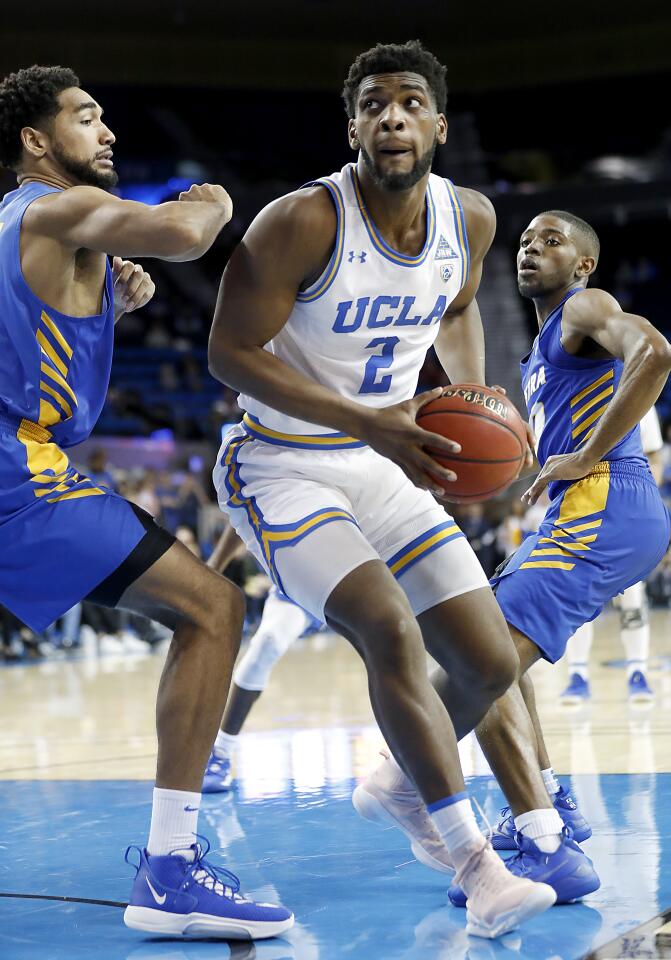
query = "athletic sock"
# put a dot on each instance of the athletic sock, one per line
(455, 821)
(174, 821)
(636, 643)
(224, 745)
(552, 785)
(544, 827)
(578, 650)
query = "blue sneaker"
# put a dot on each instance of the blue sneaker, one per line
(568, 870)
(577, 692)
(218, 777)
(638, 689)
(503, 834)
(567, 809)
(173, 896)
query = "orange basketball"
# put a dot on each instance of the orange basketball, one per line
(492, 437)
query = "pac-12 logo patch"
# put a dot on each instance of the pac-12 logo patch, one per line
(446, 271)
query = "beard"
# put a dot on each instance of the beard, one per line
(400, 181)
(83, 170)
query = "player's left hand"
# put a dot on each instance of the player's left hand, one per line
(133, 287)
(529, 453)
(566, 466)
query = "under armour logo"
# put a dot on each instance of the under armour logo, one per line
(361, 257)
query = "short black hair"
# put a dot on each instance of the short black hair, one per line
(585, 229)
(409, 57)
(27, 98)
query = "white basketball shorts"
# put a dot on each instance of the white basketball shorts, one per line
(311, 516)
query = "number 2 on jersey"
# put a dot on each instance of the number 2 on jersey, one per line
(376, 362)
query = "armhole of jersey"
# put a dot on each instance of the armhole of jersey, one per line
(320, 286)
(461, 232)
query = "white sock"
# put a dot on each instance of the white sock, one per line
(455, 822)
(174, 821)
(578, 650)
(224, 745)
(544, 827)
(636, 645)
(552, 785)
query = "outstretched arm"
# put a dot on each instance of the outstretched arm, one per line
(91, 219)
(646, 355)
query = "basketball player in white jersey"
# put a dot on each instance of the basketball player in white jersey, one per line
(634, 625)
(325, 314)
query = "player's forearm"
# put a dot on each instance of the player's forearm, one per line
(643, 377)
(256, 372)
(225, 549)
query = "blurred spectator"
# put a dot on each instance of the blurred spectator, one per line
(481, 534)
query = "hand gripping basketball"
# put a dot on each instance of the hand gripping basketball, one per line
(491, 434)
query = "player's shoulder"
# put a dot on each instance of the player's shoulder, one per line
(480, 218)
(305, 218)
(62, 205)
(590, 306)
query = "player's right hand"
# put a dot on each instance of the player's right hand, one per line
(394, 433)
(208, 193)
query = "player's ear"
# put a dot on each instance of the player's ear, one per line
(34, 142)
(352, 135)
(441, 128)
(586, 267)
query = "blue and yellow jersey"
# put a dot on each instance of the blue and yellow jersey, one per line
(54, 369)
(566, 396)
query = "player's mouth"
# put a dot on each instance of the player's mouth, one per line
(106, 158)
(394, 150)
(527, 267)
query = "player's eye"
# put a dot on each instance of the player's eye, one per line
(87, 122)
(370, 104)
(414, 101)
(552, 240)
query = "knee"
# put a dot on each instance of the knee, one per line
(494, 675)
(220, 612)
(391, 643)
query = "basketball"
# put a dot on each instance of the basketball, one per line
(492, 436)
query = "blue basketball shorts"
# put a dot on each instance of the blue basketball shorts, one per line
(599, 536)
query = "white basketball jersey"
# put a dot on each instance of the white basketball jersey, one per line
(363, 329)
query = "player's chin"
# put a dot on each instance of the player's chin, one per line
(529, 286)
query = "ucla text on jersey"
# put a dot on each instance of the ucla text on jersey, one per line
(364, 327)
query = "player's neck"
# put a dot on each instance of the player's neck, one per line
(396, 213)
(549, 302)
(48, 177)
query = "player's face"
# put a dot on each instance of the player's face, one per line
(397, 128)
(547, 257)
(81, 143)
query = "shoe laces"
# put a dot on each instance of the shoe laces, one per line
(212, 878)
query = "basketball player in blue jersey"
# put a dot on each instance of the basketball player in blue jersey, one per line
(592, 374)
(325, 314)
(65, 538)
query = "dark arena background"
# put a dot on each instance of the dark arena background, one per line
(562, 106)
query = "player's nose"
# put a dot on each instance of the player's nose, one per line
(107, 137)
(392, 118)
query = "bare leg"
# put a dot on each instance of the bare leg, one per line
(527, 690)
(469, 638)
(206, 613)
(507, 736)
(407, 708)
(239, 703)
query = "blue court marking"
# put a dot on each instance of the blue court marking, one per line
(355, 889)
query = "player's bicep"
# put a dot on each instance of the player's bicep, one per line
(92, 219)
(598, 315)
(256, 296)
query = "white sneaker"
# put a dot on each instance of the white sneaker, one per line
(379, 800)
(497, 901)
